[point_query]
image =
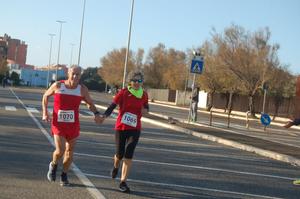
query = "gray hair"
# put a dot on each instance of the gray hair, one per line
(135, 75)
(74, 67)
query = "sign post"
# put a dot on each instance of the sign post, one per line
(265, 120)
(196, 68)
(265, 88)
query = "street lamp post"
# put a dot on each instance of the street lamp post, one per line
(51, 39)
(71, 57)
(61, 22)
(78, 63)
(128, 43)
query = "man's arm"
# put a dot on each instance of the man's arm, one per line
(90, 104)
(46, 95)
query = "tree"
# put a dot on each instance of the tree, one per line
(139, 59)
(215, 77)
(112, 65)
(15, 78)
(209, 79)
(155, 66)
(3, 69)
(249, 56)
(281, 85)
(92, 80)
(174, 76)
(165, 68)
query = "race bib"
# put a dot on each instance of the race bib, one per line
(129, 119)
(66, 116)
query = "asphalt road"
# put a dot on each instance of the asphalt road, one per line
(167, 164)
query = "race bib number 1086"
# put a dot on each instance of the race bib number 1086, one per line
(66, 116)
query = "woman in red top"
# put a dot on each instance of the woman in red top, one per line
(132, 101)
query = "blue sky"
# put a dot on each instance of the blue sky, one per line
(179, 24)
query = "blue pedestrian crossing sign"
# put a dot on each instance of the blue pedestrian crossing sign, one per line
(197, 66)
(265, 119)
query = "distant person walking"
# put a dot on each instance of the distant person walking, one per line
(194, 105)
(288, 125)
(4, 82)
(65, 127)
(133, 103)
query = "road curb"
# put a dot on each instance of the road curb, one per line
(244, 147)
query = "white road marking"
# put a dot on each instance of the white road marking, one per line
(177, 151)
(30, 109)
(188, 187)
(194, 167)
(10, 108)
(157, 140)
(89, 185)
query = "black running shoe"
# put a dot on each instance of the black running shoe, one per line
(64, 179)
(51, 175)
(114, 172)
(124, 188)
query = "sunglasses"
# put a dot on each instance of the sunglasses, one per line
(137, 80)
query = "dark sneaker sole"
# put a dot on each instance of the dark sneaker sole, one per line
(124, 188)
(124, 191)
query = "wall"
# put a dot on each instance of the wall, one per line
(183, 98)
(240, 103)
(289, 107)
(38, 77)
(158, 94)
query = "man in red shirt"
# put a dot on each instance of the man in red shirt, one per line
(132, 101)
(65, 126)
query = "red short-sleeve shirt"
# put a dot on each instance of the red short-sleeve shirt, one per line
(130, 108)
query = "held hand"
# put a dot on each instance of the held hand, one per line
(99, 119)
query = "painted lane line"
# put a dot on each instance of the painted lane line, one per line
(30, 109)
(189, 187)
(89, 185)
(157, 140)
(10, 108)
(145, 132)
(177, 151)
(194, 167)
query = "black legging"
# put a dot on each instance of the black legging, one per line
(126, 142)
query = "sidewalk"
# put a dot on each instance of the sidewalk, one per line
(279, 121)
(270, 149)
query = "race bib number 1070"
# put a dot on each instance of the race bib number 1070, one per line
(129, 119)
(66, 116)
